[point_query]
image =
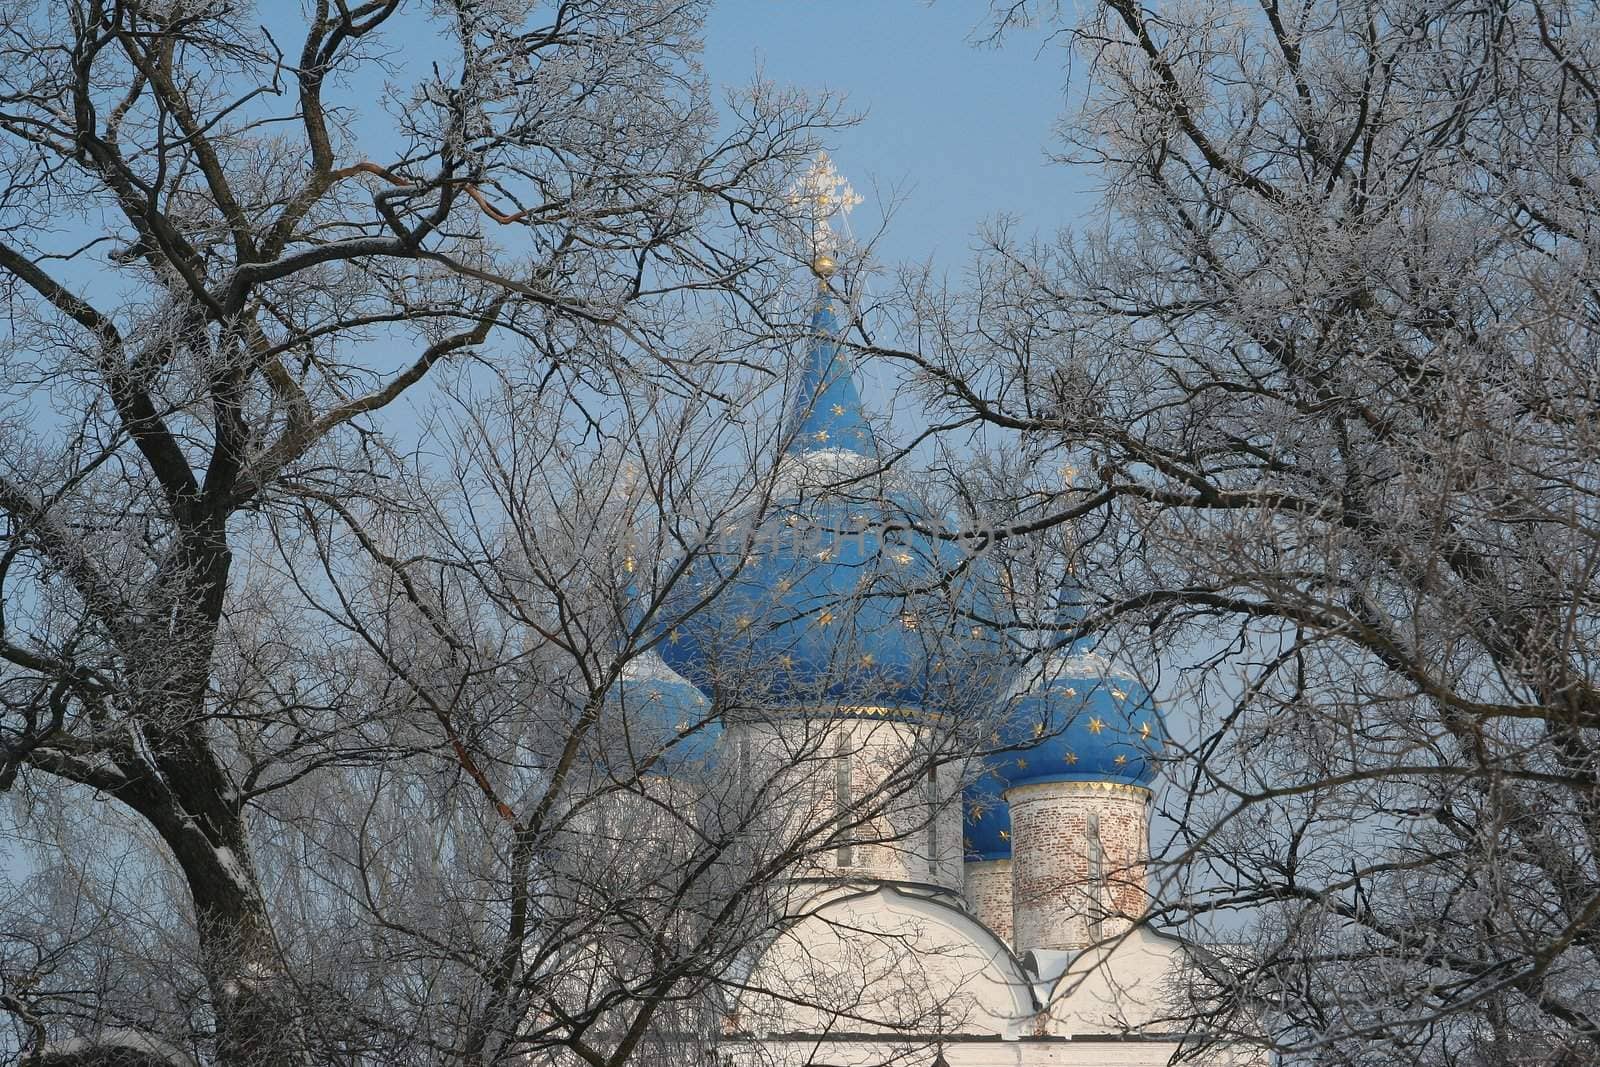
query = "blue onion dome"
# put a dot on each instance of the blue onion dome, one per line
(987, 830)
(1084, 722)
(1079, 720)
(841, 596)
(655, 722)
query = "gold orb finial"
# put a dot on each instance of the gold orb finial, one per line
(824, 265)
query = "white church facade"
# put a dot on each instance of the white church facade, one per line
(990, 915)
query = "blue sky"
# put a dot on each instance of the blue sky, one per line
(961, 130)
(953, 132)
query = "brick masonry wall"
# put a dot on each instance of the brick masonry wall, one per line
(988, 894)
(1055, 903)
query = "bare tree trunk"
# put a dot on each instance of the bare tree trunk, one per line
(188, 396)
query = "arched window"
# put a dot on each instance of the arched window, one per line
(1095, 890)
(841, 800)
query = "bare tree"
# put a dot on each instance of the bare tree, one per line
(642, 864)
(1325, 382)
(223, 268)
(547, 850)
(333, 728)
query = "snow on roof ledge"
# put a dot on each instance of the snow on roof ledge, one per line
(1047, 966)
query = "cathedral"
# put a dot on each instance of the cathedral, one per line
(986, 915)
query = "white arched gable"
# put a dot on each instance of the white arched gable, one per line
(886, 961)
(1120, 987)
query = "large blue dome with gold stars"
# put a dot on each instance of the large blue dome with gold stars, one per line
(842, 594)
(987, 832)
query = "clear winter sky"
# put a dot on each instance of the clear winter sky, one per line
(961, 131)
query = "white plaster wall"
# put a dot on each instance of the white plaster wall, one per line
(1020, 1053)
(1116, 988)
(883, 960)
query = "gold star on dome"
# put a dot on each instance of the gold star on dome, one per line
(1096, 725)
(742, 622)
(976, 632)
(994, 736)
(825, 618)
(786, 662)
(1120, 760)
(902, 558)
(1005, 836)
(908, 621)
(673, 635)
(1144, 730)
(1119, 694)
(654, 694)
(825, 555)
(977, 811)
(1070, 758)
(821, 435)
(1071, 692)
(1038, 729)
(838, 409)
(866, 659)
(1022, 763)
(783, 585)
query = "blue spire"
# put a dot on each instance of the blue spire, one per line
(826, 411)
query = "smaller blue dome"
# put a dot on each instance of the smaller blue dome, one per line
(1092, 723)
(655, 722)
